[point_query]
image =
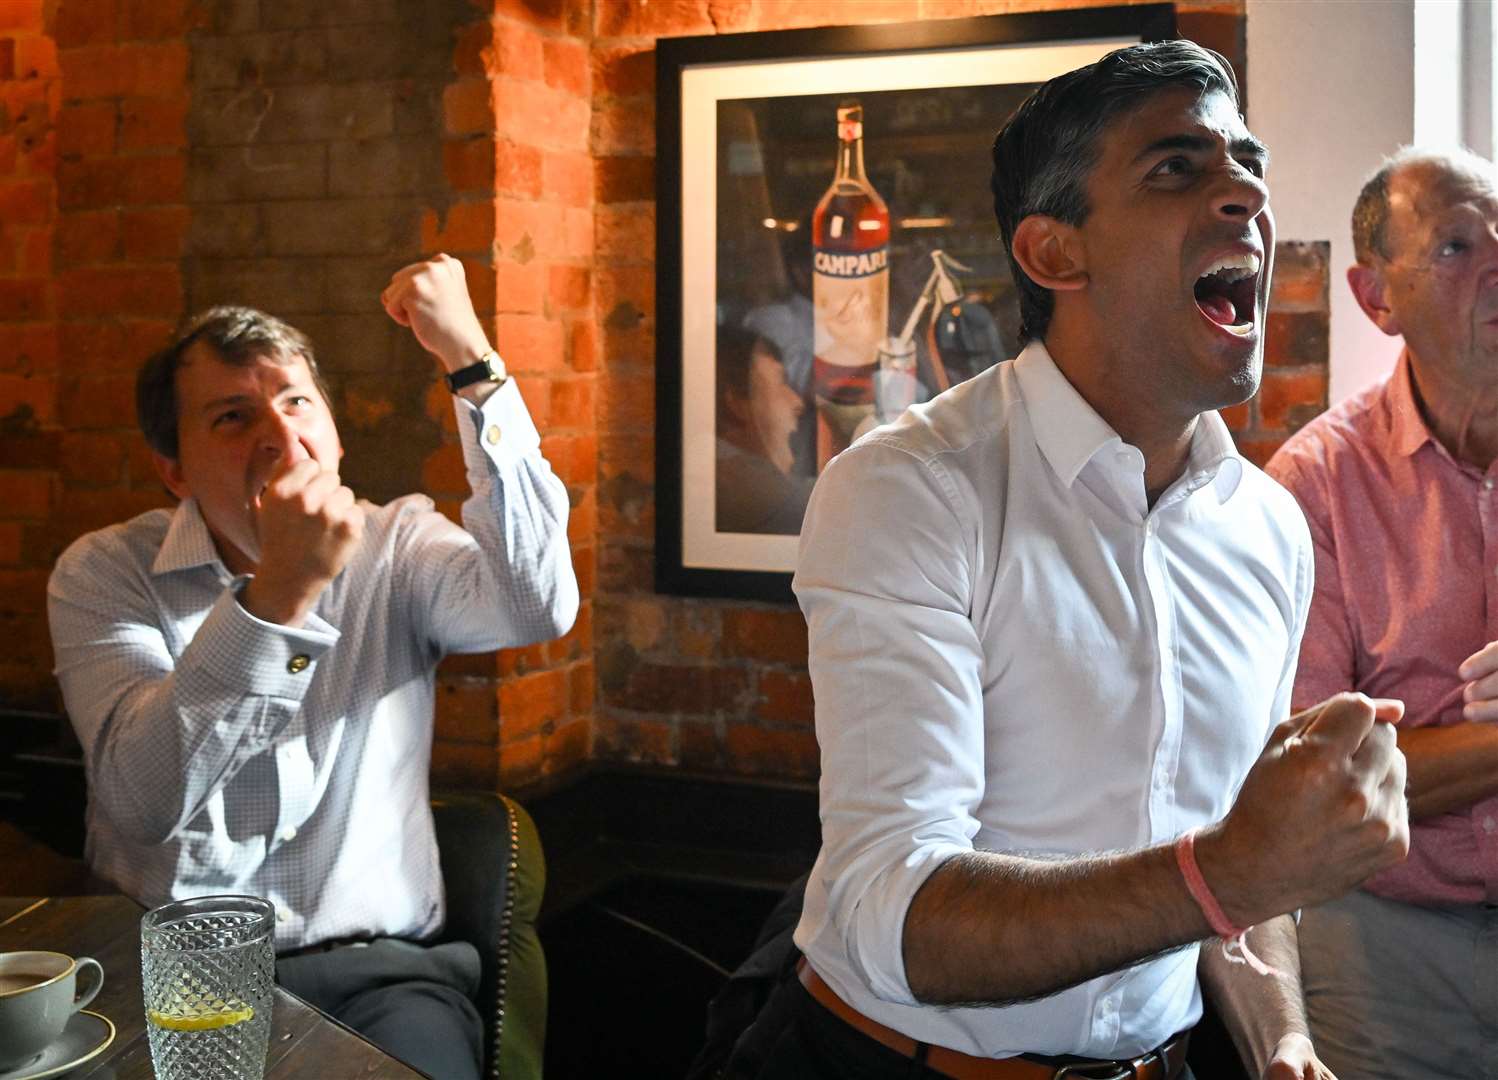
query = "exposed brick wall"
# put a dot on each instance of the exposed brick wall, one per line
(29, 436)
(722, 685)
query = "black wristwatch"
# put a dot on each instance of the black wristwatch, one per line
(490, 368)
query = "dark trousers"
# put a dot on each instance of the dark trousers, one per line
(815, 1045)
(415, 1002)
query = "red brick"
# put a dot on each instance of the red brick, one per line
(83, 23)
(36, 58)
(772, 635)
(785, 699)
(624, 70)
(525, 229)
(7, 59)
(444, 472)
(128, 291)
(582, 523)
(567, 747)
(85, 511)
(467, 228)
(1289, 400)
(1296, 337)
(1300, 276)
(134, 181)
(567, 67)
(542, 14)
(88, 129)
(569, 178)
(153, 123)
(29, 397)
(571, 404)
(659, 18)
(585, 566)
(578, 233)
(529, 703)
(25, 202)
(519, 289)
(97, 403)
(157, 19)
(133, 70)
(467, 712)
(464, 765)
(22, 301)
(158, 232)
(518, 170)
(25, 494)
(8, 155)
(1259, 451)
(519, 761)
(569, 288)
(10, 543)
(23, 15)
(625, 234)
(762, 752)
(640, 740)
(92, 459)
(88, 237)
(468, 107)
(623, 179)
(114, 346)
(22, 592)
(468, 164)
(504, 48)
(35, 258)
(30, 348)
(582, 347)
(534, 113)
(698, 745)
(582, 688)
(626, 127)
(574, 458)
(22, 446)
(627, 403)
(1237, 417)
(530, 343)
(575, 643)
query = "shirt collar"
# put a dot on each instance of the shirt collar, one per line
(187, 542)
(1070, 433)
(1408, 431)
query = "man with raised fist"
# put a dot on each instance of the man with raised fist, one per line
(251, 675)
(1053, 621)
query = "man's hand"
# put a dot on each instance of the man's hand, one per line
(1295, 1059)
(431, 298)
(1321, 811)
(309, 527)
(1480, 671)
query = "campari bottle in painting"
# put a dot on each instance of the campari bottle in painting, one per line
(850, 292)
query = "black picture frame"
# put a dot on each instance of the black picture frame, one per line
(692, 557)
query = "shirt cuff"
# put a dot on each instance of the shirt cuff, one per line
(500, 429)
(876, 938)
(239, 649)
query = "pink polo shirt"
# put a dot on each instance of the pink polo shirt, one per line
(1406, 541)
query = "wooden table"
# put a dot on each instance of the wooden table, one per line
(304, 1043)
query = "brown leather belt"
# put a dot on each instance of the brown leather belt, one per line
(1164, 1063)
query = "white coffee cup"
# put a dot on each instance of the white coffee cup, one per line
(38, 994)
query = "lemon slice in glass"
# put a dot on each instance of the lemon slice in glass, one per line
(201, 1021)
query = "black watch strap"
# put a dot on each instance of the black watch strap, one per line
(489, 368)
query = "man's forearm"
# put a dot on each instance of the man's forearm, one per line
(1258, 1010)
(996, 928)
(1451, 767)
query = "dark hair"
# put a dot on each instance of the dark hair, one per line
(240, 336)
(1370, 214)
(1043, 156)
(735, 360)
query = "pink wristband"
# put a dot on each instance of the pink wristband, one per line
(1232, 936)
(1221, 925)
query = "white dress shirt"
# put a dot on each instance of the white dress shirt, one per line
(226, 754)
(1012, 652)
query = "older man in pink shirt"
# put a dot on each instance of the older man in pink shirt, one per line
(1397, 483)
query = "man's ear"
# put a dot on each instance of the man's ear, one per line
(1371, 290)
(170, 471)
(1050, 254)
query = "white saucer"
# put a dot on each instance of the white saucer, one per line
(86, 1036)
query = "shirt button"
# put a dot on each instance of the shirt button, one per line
(287, 834)
(491, 434)
(283, 914)
(1488, 484)
(298, 663)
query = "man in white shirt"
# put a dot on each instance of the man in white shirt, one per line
(251, 676)
(1053, 622)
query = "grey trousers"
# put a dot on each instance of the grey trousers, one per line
(1402, 992)
(415, 1002)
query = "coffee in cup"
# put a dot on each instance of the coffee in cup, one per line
(38, 994)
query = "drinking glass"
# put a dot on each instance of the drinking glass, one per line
(208, 966)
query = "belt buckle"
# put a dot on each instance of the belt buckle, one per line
(1092, 1072)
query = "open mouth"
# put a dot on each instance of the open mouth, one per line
(1227, 290)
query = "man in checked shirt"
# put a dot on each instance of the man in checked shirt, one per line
(1397, 484)
(251, 674)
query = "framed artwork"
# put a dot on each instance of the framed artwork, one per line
(827, 255)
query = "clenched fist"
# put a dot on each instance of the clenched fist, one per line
(1322, 809)
(431, 298)
(309, 527)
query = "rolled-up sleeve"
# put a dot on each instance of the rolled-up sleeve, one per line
(884, 577)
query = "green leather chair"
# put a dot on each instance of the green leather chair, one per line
(495, 874)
